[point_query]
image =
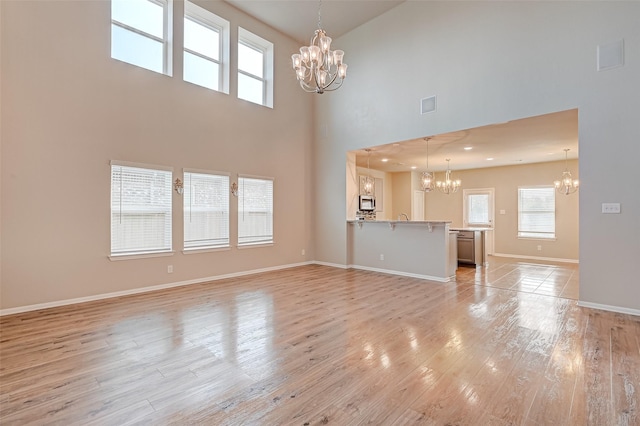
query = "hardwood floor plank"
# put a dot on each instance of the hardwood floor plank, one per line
(502, 345)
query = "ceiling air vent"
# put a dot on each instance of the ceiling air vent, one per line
(427, 105)
(610, 55)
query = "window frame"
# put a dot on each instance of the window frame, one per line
(207, 248)
(167, 30)
(168, 236)
(536, 235)
(255, 42)
(239, 212)
(216, 23)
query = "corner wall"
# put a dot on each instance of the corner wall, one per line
(68, 109)
(491, 62)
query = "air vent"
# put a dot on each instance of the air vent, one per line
(427, 105)
(610, 55)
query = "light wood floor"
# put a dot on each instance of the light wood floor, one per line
(319, 345)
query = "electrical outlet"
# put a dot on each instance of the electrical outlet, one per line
(382, 257)
(539, 248)
(170, 269)
(611, 208)
(302, 252)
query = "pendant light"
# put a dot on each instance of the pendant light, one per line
(449, 185)
(426, 179)
(368, 182)
(566, 185)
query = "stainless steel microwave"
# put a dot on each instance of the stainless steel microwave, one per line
(366, 203)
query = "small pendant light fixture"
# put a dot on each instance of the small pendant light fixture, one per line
(426, 179)
(566, 185)
(368, 182)
(448, 186)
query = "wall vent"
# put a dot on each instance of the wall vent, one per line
(427, 105)
(610, 55)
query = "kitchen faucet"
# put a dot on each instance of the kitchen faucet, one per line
(405, 217)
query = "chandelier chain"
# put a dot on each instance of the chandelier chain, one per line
(320, 14)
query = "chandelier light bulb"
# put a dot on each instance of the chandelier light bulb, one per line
(449, 185)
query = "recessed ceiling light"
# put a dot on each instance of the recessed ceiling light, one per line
(490, 159)
(414, 167)
(384, 160)
(468, 148)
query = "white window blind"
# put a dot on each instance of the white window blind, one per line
(255, 211)
(537, 212)
(206, 210)
(140, 210)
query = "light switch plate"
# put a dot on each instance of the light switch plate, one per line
(611, 208)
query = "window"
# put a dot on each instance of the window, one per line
(255, 211)
(478, 207)
(206, 48)
(537, 212)
(140, 32)
(255, 68)
(206, 210)
(140, 209)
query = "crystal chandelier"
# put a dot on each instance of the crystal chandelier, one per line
(318, 68)
(448, 186)
(426, 179)
(368, 182)
(567, 185)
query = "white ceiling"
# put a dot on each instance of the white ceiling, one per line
(299, 18)
(530, 140)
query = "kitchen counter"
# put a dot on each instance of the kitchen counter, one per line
(421, 249)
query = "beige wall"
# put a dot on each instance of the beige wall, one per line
(401, 192)
(68, 109)
(491, 62)
(505, 181)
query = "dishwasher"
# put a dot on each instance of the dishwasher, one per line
(471, 247)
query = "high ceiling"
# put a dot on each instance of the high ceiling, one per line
(530, 140)
(299, 18)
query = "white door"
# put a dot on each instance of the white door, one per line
(417, 206)
(478, 212)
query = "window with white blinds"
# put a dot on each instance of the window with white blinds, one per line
(206, 210)
(537, 212)
(140, 210)
(255, 211)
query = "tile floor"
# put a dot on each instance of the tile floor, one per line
(545, 278)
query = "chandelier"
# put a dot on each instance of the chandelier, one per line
(567, 185)
(368, 182)
(448, 186)
(426, 179)
(318, 68)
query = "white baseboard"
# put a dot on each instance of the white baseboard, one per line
(333, 265)
(618, 309)
(57, 303)
(546, 259)
(403, 274)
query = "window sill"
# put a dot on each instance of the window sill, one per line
(255, 245)
(537, 238)
(118, 257)
(205, 250)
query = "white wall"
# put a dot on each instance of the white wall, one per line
(68, 109)
(491, 62)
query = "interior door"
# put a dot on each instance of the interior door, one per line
(478, 212)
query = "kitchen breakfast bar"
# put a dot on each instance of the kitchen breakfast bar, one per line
(421, 249)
